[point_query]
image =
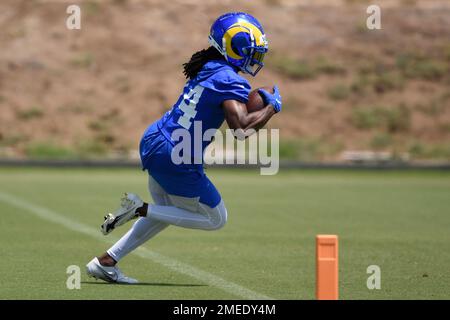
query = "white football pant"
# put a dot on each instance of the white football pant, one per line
(168, 209)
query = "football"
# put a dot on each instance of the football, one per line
(255, 101)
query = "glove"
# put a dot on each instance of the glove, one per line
(273, 99)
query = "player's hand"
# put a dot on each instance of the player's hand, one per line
(272, 98)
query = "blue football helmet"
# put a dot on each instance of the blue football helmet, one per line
(240, 38)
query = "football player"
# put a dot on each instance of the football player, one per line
(183, 195)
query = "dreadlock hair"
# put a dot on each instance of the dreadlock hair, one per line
(199, 59)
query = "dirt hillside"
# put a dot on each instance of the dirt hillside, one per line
(93, 91)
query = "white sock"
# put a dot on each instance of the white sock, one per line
(141, 231)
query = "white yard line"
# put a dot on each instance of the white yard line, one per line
(173, 264)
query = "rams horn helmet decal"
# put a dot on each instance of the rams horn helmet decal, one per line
(240, 38)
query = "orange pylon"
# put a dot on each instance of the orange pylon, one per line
(327, 270)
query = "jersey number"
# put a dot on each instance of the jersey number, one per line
(188, 106)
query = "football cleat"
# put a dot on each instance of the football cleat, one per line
(109, 274)
(126, 212)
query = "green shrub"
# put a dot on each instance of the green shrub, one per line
(92, 147)
(288, 150)
(112, 115)
(360, 84)
(365, 117)
(47, 150)
(420, 66)
(381, 141)
(76, 108)
(296, 69)
(406, 61)
(387, 81)
(417, 150)
(106, 138)
(274, 3)
(92, 7)
(367, 67)
(420, 150)
(322, 65)
(444, 128)
(13, 140)
(308, 149)
(393, 119)
(300, 70)
(97, 125)
(436, 105)
(83, 60)
(445, 96)
(338, 92)
(397, 119)
(360, 26)
(409, 2)
(120, 2)
(304, 69)
(31, 113)
(430, 70)
(447, 52)
(440, 152)
(312, 149)
(302, 149)
(291, 103)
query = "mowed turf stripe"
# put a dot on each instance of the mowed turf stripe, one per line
(173, 264)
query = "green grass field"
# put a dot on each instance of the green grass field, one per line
(399, 221)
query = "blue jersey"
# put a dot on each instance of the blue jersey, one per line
(201, 102)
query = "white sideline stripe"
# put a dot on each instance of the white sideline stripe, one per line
(168, 262)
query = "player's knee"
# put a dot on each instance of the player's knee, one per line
(220, 216)
(217, 216)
